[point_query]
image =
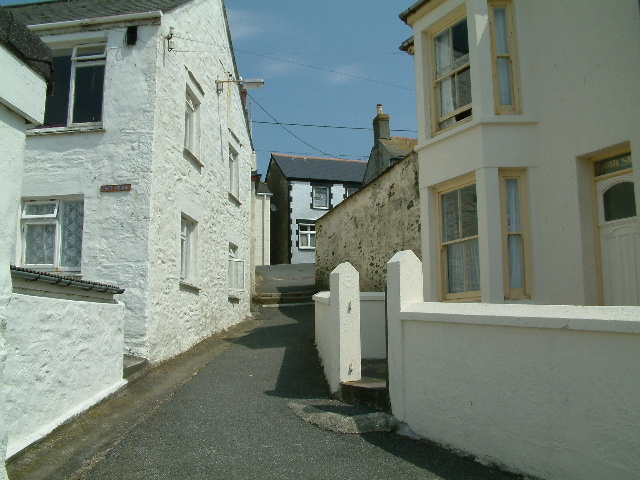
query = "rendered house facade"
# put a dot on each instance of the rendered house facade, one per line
(527, 140)
(304, 189)
(140, 175)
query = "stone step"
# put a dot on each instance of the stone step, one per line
(134, 368)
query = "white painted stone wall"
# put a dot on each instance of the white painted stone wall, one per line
(300, 194)
(132, 239)
(262, 229)
(573, 108)
(22, 96)
(63, 357)
(550, 391)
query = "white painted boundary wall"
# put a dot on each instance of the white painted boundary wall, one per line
(551, 391)
(373, 329)
(349, 326)
(63, 356)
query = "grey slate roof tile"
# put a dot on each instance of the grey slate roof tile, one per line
(316, 168)
(66, 10)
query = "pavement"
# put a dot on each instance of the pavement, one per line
(222, 411)
(286, 278)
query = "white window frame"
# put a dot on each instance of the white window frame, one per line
(348, 191)
(78, 61)
(308, 232)
(192, 123)
(314, 195)
(188, 250)
(54, 218)
(235, 272)
(436, 80)
(234, 173)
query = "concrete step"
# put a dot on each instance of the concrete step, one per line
(134, 368)
(278, 298)
(366, 392)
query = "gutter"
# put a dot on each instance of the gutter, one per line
(413, 9)
(129, 17)
(34, 276)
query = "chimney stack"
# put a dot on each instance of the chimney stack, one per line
(381, 127)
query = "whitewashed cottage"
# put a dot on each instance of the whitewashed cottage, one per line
(140, 174)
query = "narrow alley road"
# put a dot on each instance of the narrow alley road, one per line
(232, 421)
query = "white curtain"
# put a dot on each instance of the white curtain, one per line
(444, 58)
(72, 219)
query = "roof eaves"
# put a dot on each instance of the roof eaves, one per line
(412, 9)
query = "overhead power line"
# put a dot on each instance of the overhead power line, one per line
(326, 126)
(325, 69)
(289, 131)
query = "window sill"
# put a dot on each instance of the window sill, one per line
(320, 208)
(306, 248)
(189, 286)
(235, 295)
(37, 131)
(192, 156)
(234, 199)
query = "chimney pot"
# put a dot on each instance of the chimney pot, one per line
(379, 107)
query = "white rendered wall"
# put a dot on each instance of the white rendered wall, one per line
(572, 110)
(63, 356)
(373, 328)
(262, 229)
(550, 391)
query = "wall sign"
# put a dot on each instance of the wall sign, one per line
(611, 165)
(116, 188)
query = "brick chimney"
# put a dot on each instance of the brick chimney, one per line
(381, 125)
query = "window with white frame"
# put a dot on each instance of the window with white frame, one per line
(236, 270)
(234, 173)
(320, 197)
(52, 234)
(78, 87)
(503, 48)
(306, 236)
(459, 242)
(452, 75)
(192, 123)
(514, 238)
(188, 249)
(350, 191)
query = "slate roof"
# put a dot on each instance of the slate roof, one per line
(317, 168)
(26, 45)
(263, 188)
(399, 146)
(65, 10)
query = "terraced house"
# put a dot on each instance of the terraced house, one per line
(140, 174)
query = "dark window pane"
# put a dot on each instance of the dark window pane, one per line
(450, 217)
(464, 88)
(469, 211)
(619, 202)
(460, 42)
(89, 83)
(57, 105)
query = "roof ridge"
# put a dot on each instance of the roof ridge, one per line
(319, 158)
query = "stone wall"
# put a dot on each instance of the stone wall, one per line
(369, 227)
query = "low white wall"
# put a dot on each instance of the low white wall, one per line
(63, 356)
(373, 330)
(551, 391)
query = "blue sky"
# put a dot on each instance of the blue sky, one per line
(282, 40)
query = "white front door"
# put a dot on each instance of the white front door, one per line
(619, 240)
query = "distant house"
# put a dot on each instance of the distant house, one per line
(140, 175)
(386, 150)
(304, 189)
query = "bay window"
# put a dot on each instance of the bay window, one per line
(514, 238)
(503, 49)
